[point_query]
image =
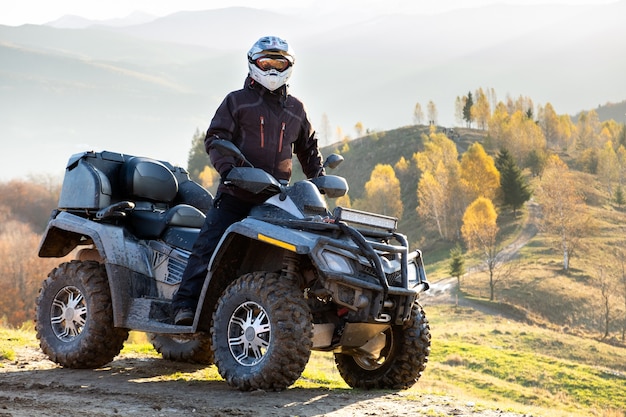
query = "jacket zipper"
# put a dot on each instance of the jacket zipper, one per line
(262, 132)
(280, 141)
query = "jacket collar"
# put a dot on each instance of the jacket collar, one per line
(253, 85)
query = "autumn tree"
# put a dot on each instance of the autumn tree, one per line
(359, 129)
(439, 184)
(209, 178)
(21, 272)
(608, 166)
(521, 104)
(480, 231)
(402, 165)
(382, 192)
(433, 114)
(515, 132)
(418, 114)
(478, 174)
(481, 110)
(513, 186)
(588, 130)
(343, 201)
(550, 125)
(563, 206)
(29, 202)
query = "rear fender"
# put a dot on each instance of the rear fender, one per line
(126, 260)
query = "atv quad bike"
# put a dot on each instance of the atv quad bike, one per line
(288, 279)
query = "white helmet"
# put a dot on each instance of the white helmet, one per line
(270, 62)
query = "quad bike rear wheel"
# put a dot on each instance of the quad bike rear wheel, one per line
(400, 363)
(262, 332)
(194, 349)
(75, 316)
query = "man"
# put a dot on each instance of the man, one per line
(267, 124)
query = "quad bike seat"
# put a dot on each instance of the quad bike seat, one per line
(153, 188)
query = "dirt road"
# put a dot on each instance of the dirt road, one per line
(33, 386)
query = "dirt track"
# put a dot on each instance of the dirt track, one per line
(34, 386)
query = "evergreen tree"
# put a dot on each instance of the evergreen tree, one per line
(619, 196)
(457, 264)
(467, 109)
(198, 158)
(513, 185)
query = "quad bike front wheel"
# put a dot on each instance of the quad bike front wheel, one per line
(399, 364)
(261, 333)
(75, 317)
(190, 349)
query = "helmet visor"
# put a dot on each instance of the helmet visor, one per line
(267, 63)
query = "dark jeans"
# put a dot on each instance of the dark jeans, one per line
(226, 211)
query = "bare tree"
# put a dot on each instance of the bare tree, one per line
(564, 211)
(606, 286)
(433, 115)
(418, 114)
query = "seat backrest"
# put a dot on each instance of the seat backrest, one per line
(148, 179)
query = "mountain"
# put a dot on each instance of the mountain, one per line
(145, 88)
(77, 22)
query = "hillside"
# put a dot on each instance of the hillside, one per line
(534, 282)
(363, 154)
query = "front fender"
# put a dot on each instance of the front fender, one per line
(297, 241)
(248, 246)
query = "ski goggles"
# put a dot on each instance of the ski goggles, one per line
(267, 63)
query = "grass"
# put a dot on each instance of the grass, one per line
(505, 362)
(10, 339)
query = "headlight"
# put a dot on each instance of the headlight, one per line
(412, 275)
(337, 262)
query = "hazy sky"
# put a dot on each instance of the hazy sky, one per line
(18, 12)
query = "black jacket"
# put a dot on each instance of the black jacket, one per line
(268, 127)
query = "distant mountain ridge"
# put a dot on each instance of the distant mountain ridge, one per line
(145, 88)
(77, 22)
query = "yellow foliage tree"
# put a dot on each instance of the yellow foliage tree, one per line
(209, 179)
(480, 232)
(382, 192)
(516, 132)
(479, 175)
(439, 186)
(359, 129)
(402, 165)
(481, 110)
(588, 130)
